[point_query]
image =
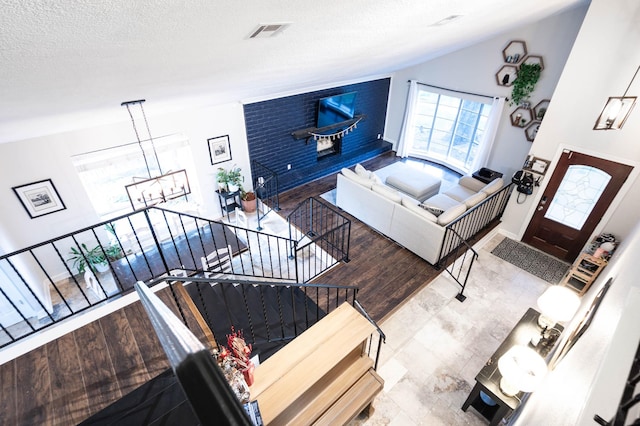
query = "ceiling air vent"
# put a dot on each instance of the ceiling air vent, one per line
(268, 30)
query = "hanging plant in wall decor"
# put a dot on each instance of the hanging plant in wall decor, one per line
(525, 82)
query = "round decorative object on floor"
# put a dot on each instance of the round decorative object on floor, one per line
(487, 399)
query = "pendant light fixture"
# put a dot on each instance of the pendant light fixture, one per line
(149, 191)
(616, 110)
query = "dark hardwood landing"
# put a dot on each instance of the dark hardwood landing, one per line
(65, 381)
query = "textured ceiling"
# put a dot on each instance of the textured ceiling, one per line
(67, 64)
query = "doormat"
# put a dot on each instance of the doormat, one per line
(531, 260)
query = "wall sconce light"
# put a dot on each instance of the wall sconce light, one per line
(616, 110)
(557, 304)
(522, 369)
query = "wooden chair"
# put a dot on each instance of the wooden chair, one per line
(217, 263)
(241, 219)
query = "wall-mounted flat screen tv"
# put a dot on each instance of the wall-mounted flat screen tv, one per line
(336, 109)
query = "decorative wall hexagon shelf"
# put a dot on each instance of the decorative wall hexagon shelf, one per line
(506, 75)
(521, 116)
(541, 109)
(515, 51)
(532, 130)
(534, 59)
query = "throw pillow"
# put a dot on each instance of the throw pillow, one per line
(361, 171)
(376, 179)
(436, 211)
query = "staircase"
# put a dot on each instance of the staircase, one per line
(271, 314)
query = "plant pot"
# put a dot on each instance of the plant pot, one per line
(101, 267)
(232, 187)
(249, 202)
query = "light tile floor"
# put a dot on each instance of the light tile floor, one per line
(436, 344)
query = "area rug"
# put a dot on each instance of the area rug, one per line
(531, 260)
(329, 196)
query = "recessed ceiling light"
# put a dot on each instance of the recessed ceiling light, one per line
(268, 30)
(446, 20)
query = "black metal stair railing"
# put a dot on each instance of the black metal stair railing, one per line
(266, 189)
(270, 314)
(48, 282)
(318, 233)
(472, 222)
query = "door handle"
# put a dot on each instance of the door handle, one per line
(543, 201)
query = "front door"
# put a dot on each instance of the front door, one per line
(579, 192)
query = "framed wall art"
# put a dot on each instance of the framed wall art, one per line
(219, 149)
(39, 198)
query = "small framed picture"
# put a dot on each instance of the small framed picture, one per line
(219, 149)
(39, 198)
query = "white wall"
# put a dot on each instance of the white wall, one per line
(49, 157)
(473, 70)
(604, 58)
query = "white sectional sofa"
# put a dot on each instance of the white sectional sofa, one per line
(401, 217)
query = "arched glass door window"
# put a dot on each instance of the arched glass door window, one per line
(577, 195)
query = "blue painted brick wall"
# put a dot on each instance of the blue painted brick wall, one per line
(270, 123)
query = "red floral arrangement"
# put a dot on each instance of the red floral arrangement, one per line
(238, 352)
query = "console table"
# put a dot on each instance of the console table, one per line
(488, 379)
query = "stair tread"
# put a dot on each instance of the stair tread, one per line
(353, 401)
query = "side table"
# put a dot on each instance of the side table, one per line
(488, 379)
(228, 201)
(485, 175)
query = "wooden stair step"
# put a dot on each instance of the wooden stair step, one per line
(319, 354)
(353, 401)
(323, 394)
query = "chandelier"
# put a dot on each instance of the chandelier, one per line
(151, 190)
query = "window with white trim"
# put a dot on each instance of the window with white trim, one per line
(448, 129)
(105, 173)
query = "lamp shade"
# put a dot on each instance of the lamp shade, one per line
(557, 304)
(522, 369)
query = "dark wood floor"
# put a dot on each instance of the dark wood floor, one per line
(67, 380)
(73, 377)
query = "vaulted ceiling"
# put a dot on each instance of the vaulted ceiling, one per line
(69, 64)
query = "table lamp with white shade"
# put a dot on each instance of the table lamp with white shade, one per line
(522, 370)
(557, 304)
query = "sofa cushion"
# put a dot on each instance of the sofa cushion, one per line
(434, 210)
(474, 199)
(351, 175)
(451, 214)
(459, 193)
(471, 183)
(375, 178)
(441, 201)
(386, 192)
(414, 206)
(362, 172)
(493, 186)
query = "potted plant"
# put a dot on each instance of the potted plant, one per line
(235, 179)
(94, 257)
(249, 202)
(222, 177)
(525, 82)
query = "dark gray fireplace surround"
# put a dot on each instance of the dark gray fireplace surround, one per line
(270, 125)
